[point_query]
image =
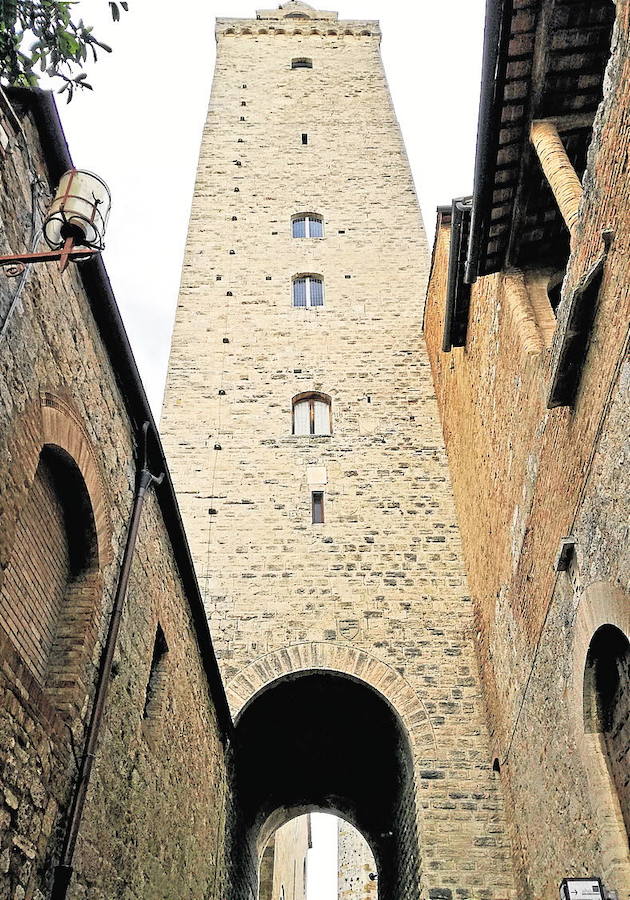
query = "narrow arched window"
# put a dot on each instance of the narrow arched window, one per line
(302, 63)
(312, 414)
(607, 706)
(308, 290)
(54, 551)
(307, 225)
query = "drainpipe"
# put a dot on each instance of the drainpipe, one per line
(496, 40)
(63, 872)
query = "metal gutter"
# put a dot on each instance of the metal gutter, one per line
(112, 331)
(495, 44)
(457, 290)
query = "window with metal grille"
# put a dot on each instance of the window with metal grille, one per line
(307, 225)
(308, 290)
(312, 414)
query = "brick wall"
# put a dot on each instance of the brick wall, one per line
(155, 816)
(35, 582)
(524, 477)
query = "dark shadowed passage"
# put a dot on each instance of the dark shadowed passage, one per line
(323, 741)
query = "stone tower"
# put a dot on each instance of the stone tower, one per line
(303, 435)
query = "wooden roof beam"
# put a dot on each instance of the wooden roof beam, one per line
(559, 172)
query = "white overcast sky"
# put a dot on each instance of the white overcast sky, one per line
(140, 130)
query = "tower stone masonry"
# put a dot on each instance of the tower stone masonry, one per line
(301, 124)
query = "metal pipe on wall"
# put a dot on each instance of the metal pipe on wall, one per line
(63, 871)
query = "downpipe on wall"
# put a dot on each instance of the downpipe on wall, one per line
(63, 871)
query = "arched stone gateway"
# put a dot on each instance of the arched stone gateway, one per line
(343, 659)
(316, 739)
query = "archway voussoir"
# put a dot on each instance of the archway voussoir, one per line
(344, 659)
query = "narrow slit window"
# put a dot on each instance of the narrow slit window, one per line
(574, 349)
(156, 685)
(317, 507)
(308, 290)
(305, 225)
(304, 138)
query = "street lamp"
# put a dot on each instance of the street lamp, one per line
(74, 227)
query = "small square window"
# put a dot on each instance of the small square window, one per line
(317, 507)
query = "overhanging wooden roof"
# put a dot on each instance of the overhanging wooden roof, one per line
(543, 59)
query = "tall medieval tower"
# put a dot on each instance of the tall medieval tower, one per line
(301, 426)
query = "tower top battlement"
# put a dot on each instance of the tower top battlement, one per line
(295, 9)
(293, 17)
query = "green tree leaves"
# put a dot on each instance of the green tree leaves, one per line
(58, 44)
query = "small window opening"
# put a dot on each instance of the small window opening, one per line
(242, 119)
(302, 63)
(317, 505)
(496, 765)
(304, 138)
(156, 685)
(243, 103)
(554, 290)
(576, 342)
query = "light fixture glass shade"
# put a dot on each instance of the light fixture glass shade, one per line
(80, 210)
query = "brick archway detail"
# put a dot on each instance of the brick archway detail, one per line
(600, 604)
(346, 660)
(62, 427)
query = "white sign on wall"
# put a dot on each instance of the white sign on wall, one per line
(581, 889)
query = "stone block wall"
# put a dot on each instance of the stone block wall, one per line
(379, 587)
(525, 477)
(355, 864)
(154, 822)
(292, 842)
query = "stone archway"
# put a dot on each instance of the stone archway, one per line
(346, 660)
(319, 739)
(601, 604)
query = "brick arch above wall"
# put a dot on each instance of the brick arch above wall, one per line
(62, 427)
(347, 660)
(600, 604)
